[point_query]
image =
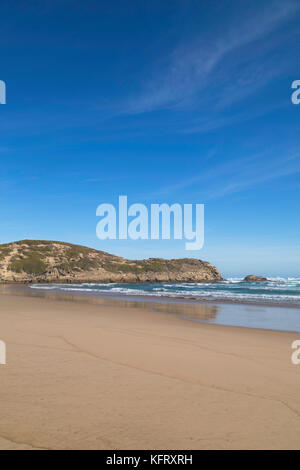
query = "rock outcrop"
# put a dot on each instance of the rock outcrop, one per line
(29, 261)
(253, 278)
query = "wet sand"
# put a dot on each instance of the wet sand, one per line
(110, 375)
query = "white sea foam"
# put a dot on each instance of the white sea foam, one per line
(274, 290)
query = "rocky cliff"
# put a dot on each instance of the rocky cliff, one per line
(47, 261)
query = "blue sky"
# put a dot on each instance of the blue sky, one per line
(173, 101)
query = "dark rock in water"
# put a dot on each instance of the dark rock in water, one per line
(253, 278)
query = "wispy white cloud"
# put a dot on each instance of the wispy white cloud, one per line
(256, 175)
(197, 65)
(237, 175)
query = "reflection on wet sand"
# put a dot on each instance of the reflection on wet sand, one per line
(221, 313)
(190, 311)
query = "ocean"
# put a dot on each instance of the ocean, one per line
(274, 291)
(271, 305)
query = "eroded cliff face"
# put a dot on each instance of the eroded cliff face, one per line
(47, 261)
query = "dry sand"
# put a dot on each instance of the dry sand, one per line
(84, 376)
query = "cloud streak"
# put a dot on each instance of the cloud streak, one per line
(237, 175)
(199, 64)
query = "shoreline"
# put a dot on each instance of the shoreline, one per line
(158, 298)
(231, 314)
(90, 375)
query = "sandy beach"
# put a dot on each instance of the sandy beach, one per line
(80, 375)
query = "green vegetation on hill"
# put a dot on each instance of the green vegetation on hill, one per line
(31, 264)
(30, 260)
(4, 251)
(32, 257)
(137, 266)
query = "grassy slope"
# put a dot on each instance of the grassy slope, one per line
(37, 257)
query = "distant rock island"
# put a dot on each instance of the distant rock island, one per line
(253, 278)
(29, 261)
